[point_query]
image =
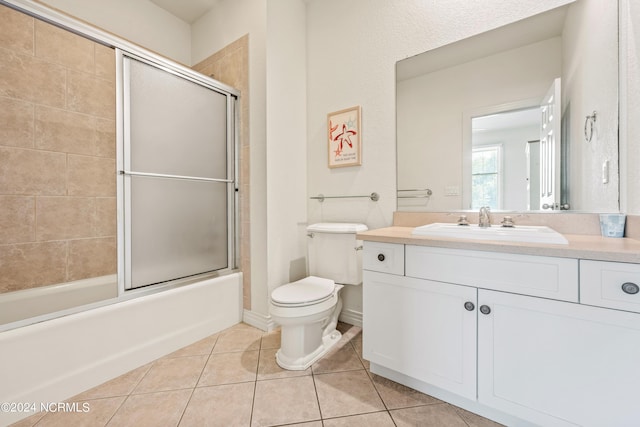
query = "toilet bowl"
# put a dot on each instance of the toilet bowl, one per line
(307, 310)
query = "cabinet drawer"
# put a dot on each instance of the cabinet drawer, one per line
(601, 284)
(383, 257)
(547, 277)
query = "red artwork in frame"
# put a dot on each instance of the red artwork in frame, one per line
(345, 143)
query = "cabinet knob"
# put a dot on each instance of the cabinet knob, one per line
(469, 306)
(630, 288)
(381, 257)
(485, 309)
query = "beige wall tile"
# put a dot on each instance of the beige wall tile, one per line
(16, 123)
(65, 131)
(31, 79)
(106, 220)
(17, 219)
(16, 31)
(91, 258)
(32, 172)
(63, 47)
(60, 218)
(105, 62)
(91, 176)
(31, 265)
(106, 144)
(91, 95)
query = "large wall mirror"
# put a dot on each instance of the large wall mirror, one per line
(523, 117)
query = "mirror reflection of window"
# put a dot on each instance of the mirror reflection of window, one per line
(486, 176)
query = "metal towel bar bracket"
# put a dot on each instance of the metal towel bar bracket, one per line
(320, 197)
(426, 193)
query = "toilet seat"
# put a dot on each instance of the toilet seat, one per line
(308, 291)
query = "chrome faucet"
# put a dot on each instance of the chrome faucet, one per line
(484, 218)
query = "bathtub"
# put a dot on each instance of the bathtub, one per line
(56, 359)
(30, 303)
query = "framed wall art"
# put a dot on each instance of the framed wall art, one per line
(345, 143)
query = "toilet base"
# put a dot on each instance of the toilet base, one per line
(302, 363)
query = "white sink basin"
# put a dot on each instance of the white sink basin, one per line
(519, 233)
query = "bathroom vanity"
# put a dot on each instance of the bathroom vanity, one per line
(525, 334)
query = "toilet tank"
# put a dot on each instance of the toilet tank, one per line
(334, 253)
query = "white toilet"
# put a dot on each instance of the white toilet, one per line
(308, 309)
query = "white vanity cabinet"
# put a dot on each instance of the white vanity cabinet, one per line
(558, 364)
(507, 334)
(422, 329)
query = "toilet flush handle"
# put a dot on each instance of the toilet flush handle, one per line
(359, 248)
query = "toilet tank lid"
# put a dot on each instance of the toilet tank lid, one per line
(337, 227)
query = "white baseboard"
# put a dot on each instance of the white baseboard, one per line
(351, 317)
(266, 323)
(258, 320)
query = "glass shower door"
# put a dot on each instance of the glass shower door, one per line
(178, 176)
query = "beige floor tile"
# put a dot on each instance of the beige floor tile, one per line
(474, 420)
(338, 360)
(347, 393)
(271, 340)
(89, 413)
(172, 374)
(349, 332)
(246, 387)
(223, 406)
(153, 410)
(309, 424)
(241, 339)
(120, 386)
(396, 396)
(29, 421)
(228, 368)
(285, 401)
(356, 342)
(376, 419)
(439, 415)
(268, 368)
(198, 348)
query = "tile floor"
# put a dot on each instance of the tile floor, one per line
(231, 379)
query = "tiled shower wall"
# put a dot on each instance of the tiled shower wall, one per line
(57, 155)
(230, 66)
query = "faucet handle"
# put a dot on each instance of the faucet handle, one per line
(462, 220)
(507, 221)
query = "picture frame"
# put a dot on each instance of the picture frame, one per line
(344, 138)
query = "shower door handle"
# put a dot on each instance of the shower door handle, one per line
(185, 177)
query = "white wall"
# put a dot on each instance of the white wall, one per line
(286, 142)
(140, 22)
(352, 48)
(630, 106)
(588, 82)
(431, 108)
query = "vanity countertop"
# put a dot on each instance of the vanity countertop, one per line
(580, 246)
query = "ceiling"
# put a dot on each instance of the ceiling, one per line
(507, 120)
(187, 10)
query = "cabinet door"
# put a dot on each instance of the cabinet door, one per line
(556, 363)
(422, 329)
